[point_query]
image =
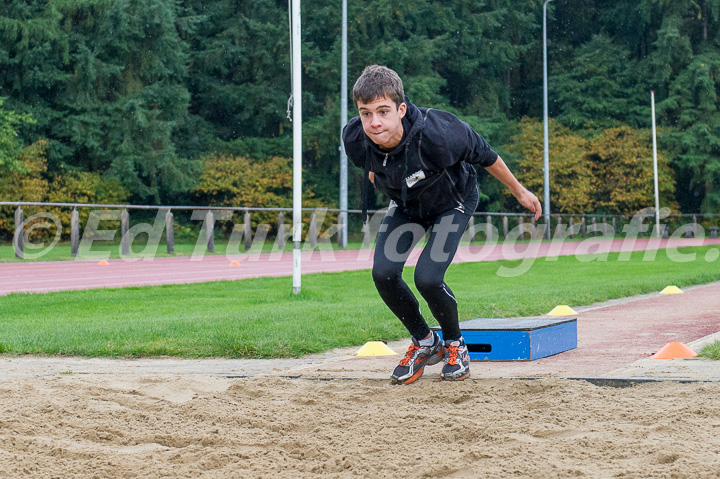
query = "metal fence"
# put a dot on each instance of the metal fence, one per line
(487, 226)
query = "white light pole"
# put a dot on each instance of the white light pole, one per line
(655, 167)
(343, 121)
(546, 154)
(297, 146)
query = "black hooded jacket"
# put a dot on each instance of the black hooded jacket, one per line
(431, 170)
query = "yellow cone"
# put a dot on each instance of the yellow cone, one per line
(672, 290)
(562, 310)
(375, 348)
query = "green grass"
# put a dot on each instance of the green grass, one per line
(62, 251)
(711, 351)
(262, 318)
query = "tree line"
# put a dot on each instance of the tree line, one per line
(138, 99)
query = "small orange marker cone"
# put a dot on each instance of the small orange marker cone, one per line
(674, 351)
(234, 263)
(103, 263)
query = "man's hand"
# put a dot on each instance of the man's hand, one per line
(371, 177)
(529, 201)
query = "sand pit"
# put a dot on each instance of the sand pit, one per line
(87, 426)
(171, 418)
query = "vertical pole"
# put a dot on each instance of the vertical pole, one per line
(341, 228)
(655, 165)
(312, 231)
(170, 232)
(281, 231)
(558, 226)
(124, 233)
(74, 233)
(18, 238)
(488, 235)
(546, 143)
(366, 235)
(471, 230)
(297, 146)
(247, 230)
(210, 231)
(343, 234)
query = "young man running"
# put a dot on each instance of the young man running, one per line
(422, 159)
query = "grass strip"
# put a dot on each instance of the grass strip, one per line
(63, 252)
(711, 351)
(111, 250)
(261, 318)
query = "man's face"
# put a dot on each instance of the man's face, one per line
(382, 121)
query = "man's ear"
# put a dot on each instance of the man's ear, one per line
(402, 109)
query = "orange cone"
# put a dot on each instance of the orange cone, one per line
(674, 351)
(102, 262)
(234, 263)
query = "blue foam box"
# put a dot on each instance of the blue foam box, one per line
(517, 339)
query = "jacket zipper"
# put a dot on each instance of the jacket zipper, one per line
(385, 160)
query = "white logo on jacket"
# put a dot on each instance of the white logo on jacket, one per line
(414, 178)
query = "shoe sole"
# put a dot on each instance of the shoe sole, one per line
(451, 378)
(409, 380)
(419, 373)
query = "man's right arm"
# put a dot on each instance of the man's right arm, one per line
(500, 171)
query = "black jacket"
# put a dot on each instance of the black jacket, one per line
(430, 171)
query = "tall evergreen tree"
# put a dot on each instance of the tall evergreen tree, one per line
(10, 144)
(598, 88)
(107, 81)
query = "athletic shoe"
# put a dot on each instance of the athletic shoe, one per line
(417, 357)
(457, 361)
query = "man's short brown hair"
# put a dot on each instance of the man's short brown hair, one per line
(377, 82)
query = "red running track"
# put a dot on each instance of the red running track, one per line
(41, 277)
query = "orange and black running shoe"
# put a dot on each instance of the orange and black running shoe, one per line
(412, 365)
(457, 361)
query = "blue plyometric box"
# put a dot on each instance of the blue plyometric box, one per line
(517, 339)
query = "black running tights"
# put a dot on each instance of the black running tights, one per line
(396, 239)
